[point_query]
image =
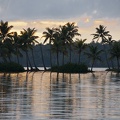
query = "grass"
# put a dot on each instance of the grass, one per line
(114, 70)
(11, 67)
(70, 68)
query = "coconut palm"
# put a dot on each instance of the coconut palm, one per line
(115, 52)
(4, 30)
(64, 41)
(80, 45)
(42, 56)
(102, 34)
(5, 40)
(56, 46)
(93, 54)
(8, 44)
(3, 52)
(72, 31)
(63, 37)
(28, 40)
(110, 41)
(17, 45)
(49, 36)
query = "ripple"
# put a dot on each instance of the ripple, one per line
(58, 97)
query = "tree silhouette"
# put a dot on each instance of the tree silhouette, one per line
(28, 39)
(49, 36)
(56, 46)
(5, 40)
(17, 45)
(103, 34)
(115, 52)
(80, 45)
(72, 31)
(93, 54)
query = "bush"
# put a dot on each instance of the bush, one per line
(70, 68)
(11, 67)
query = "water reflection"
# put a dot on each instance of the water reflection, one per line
(38, 96)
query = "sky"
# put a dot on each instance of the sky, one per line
(39, 14)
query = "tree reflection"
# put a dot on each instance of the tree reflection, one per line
(62, 100)
(13, 97)
(5, 88)
(59, 96)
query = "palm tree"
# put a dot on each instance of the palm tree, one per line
(72, 31)
(42, 56)
(17, 45)
(5, 40)
(93, 54)
(56, 46)
(3, 52)
(4, 30)
(28, 40)
(64, 41)
(8, 44)
(115, 52)
(110, 41)
(79, 47)
(103, 34)
(49, 36)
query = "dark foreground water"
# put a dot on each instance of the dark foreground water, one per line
(52, 96)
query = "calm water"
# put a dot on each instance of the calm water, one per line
(52, 96)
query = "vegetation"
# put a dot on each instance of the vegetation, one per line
(93, 55)
(102, 34)
(62, 40)
(80, 45)
(11, 67)
(70, 68)
(115, 53)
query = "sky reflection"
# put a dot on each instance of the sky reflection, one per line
(55, 96)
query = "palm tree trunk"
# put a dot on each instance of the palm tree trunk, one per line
(118, 64)
(42, 57)
(111, 60)
(79, 59)
(70, 52)
(106, 57)
(50, 57)
(92, 65)
(29, 60)
(9, 58)
(34, 60)
(17, 59)
(57, 58)
(112, 64)
(63, 58)
(17, 56)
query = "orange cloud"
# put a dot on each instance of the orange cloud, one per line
(18, 23)
(86, 25)
(87, 20)
(98, 22)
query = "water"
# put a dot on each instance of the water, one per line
(52, 96)
(94, 69)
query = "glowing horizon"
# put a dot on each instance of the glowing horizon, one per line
(86, 26)
(40, 14)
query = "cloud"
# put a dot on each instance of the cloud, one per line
(58, 9)
(86, 26)
(88, 14)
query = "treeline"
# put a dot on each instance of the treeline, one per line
(64, 45)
